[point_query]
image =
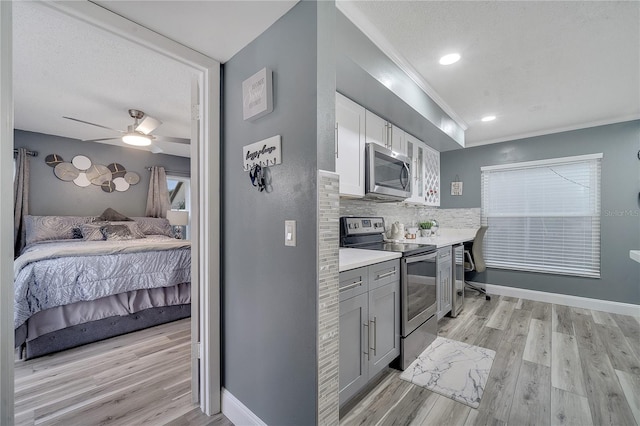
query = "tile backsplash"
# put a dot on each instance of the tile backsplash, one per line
(409, 214)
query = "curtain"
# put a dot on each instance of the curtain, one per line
(20, 200)
(158, 198)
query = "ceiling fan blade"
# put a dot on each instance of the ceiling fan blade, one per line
(174, 140)
(148, 125)
(155, 149)
(93, 124)
(101, 139)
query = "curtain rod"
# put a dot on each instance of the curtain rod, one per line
(31, 153)
(173, 172)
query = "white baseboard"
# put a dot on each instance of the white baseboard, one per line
(562, 299)
(237, 412)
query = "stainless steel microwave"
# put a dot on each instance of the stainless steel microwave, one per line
(387, 174)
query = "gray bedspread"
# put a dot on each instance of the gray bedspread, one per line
(56, 274)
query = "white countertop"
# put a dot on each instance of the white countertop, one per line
(635, 255)
(356, 258)
(446, 237)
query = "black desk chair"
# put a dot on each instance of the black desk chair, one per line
(474, 259)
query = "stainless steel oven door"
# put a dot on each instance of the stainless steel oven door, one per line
(418, 291)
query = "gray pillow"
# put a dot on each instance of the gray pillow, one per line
(45, 228)
(92, 231)
(154, 226)
(117, 233)
(111, 215)
(133, 227)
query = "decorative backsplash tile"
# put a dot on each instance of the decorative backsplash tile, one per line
(410, 214)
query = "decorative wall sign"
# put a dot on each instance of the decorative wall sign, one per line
(83, 173)
(264, 153)
(257, 95)
(456, 188)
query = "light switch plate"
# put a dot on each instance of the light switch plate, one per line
(290, 233)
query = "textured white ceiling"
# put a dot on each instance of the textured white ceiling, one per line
(539, 66)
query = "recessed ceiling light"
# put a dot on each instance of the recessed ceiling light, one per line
(449, 59)
(488, 118)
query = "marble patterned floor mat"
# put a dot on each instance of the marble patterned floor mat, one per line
(453, 369)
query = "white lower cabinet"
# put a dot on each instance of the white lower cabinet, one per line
(369, 324)
(445, 283)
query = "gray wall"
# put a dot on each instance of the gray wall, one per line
(620, 221)
(51, 196)
(269, 290)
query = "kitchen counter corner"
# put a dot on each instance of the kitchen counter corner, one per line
(356, 258)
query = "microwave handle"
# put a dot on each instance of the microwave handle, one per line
(404, 166)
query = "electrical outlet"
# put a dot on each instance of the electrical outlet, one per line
(290, 233)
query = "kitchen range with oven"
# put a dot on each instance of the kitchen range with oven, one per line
(418, 281)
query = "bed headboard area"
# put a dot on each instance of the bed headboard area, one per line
(55, 228)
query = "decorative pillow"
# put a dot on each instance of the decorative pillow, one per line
(133, 227)
(92, 231)
(117, 232)
(45, 228)
(154, 226)
(111, 215)
(77, 233)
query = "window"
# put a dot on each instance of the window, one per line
(543, 216)
(179, 192)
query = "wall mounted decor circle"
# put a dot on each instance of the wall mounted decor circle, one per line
(81, 162)
(97, 174)
(53, 160)
(82, 172)
(66, 171)
(82, 180)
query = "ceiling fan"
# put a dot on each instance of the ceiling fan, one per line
(138, 133)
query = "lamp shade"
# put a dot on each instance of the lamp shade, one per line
(178, 217)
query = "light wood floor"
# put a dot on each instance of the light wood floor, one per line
(554, 365)
(140, 378)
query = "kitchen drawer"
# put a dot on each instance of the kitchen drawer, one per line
(384, 273)
(354, 282)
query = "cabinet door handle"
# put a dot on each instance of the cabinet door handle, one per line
(385, 275)
(350, 286)
(367, 353)
(375, 331)
(337, 142)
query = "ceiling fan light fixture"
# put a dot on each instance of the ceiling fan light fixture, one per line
(449, 59)
(488, 118)
(137, 139)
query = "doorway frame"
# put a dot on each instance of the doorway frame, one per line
(205, 162)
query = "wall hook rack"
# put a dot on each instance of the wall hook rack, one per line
(258, 157)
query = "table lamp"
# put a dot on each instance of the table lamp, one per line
(178, 218)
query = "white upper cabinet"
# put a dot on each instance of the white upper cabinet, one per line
(425, 166)
(350, 139)
(398, 140)
(431, 177)
(376, 130)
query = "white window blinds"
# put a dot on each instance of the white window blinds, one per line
(543, 216)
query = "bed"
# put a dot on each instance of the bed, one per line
(83, 279)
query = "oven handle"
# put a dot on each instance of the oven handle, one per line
(420, 258)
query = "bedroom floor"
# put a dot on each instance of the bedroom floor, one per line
(140, 378)
(554, 365)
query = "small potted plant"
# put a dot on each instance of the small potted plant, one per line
(425, 228)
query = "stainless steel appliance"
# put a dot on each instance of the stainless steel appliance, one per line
(418, 289)
(387, 174)
(457, 298)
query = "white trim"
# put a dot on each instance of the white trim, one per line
(372, 33)
(237, 412)
(562, 299)
(545, 132)
(537, 163)
(6, 217)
